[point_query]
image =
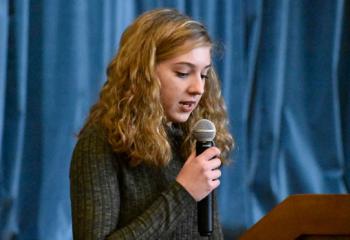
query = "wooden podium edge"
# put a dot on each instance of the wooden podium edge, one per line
(300, 214)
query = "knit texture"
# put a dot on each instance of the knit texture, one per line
(112, 200)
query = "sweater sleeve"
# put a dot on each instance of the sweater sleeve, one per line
(217, 234)
(95, 198)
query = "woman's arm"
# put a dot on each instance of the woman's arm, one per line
(95, 198)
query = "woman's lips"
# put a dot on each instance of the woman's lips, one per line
(187, 106)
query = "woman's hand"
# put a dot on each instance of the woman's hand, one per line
(199, 175)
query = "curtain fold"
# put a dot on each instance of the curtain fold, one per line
(284, 69)
(343, 90)
(15, 111)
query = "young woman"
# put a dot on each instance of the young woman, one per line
(134, 172)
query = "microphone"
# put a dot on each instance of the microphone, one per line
(204, 132)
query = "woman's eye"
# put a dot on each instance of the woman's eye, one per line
(181, 74)
(204, 77)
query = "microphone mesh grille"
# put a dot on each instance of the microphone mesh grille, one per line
(204, 130)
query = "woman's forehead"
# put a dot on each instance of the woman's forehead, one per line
(197, 56)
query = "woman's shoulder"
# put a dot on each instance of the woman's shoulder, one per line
(93, 137)
(92, 154)
(95, 130)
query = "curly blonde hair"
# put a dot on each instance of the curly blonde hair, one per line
(129, 108)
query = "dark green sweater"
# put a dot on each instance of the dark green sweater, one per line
(112, 200)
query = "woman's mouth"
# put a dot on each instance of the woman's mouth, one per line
(187, 106)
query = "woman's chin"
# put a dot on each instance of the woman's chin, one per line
(179, 118)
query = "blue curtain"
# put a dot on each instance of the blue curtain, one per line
(285, 71)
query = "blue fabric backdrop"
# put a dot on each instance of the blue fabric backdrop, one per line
(285, 73)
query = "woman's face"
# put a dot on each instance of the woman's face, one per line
(182, 81)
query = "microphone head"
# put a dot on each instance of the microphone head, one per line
(204, 130)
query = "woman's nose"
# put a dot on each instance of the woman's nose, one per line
(196, 86)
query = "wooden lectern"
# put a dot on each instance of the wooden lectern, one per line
(305, 216)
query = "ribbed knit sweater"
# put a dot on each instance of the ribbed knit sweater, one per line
(113, 200)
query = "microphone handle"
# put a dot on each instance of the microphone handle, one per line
(205, 206)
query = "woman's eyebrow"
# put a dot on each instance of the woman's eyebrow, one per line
(191, 65)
